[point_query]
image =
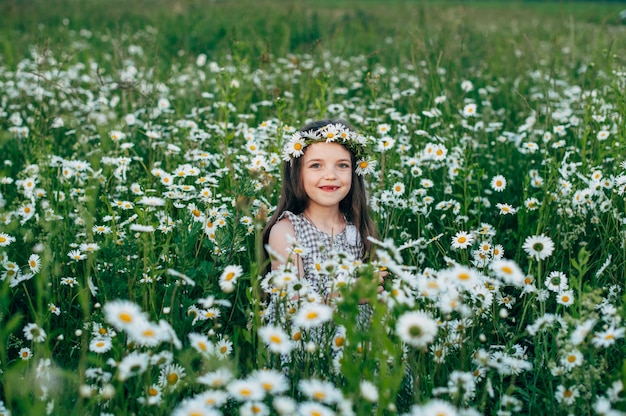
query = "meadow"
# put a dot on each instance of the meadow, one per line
(141, 149)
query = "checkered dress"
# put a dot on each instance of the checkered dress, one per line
(319, 247)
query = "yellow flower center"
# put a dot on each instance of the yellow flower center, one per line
(319, 395)
(312, 315)
(125, 317)
(172, 378)
(464, 276)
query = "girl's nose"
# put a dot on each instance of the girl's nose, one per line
(330, 173)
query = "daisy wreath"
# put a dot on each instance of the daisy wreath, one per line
(332, 133)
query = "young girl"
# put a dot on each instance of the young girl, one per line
(323, 204)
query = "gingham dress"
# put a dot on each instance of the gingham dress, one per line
(319, 247)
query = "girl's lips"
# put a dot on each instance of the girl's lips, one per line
(329, 188)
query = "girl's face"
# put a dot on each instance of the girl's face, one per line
(326, 174)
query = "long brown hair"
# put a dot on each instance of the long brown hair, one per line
(293, 197)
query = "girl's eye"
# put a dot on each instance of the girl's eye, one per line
(344, 166)
(315, 165)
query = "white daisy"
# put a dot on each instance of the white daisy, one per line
(276, 339)
(201, 343)
(100, 345)
(246, 390)
(229, 276)
(462, 240)
(213, 398)
(133, 364)
(295, 147)
(539, 247)
(6, 239)
(273, 382)
(123, 314)
(313, 315)
(34, 332)
(365, 167)
(607, 337)
(171, 375)
(34, 263)
(416, 328)
(216, 379)
(320, 391)
(508, 271)
(498, 183)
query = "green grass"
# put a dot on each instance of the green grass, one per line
(346, 27)
(533, 66)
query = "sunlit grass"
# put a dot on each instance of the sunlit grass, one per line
(141, 150)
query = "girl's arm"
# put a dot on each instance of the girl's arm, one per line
(281, 239)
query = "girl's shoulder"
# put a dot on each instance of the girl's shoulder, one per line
(282, 235)
(285, 225)
(290, 216)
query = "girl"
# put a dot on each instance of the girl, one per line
(323, 204)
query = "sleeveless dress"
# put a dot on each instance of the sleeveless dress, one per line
(327, 261)
(320, 248)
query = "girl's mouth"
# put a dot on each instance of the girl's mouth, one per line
(329, 188)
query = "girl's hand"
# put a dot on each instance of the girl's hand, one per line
(382, 274)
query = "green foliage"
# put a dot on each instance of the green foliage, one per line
(141, 146)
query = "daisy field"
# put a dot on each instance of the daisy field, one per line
(140, 154)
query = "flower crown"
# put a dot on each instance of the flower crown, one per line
(331, 133)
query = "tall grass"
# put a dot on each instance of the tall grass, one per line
(129, 174)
